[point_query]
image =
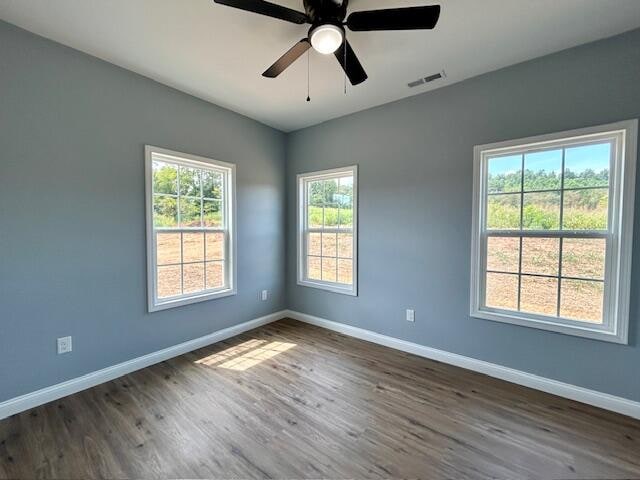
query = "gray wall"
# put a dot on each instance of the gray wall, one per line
(72, 239)
(72, 221)
(415, 172)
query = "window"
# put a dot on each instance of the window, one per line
(327, 230)
(552, 231)
(190, 228)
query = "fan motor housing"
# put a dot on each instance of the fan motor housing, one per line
(326, 11)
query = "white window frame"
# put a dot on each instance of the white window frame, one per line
(617, 280)
(229, 190)
(302, 180)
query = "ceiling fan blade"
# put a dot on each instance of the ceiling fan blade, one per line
(352, 67)
(287, 59)
(410, 18)
(266, 8)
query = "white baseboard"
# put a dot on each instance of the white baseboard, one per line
(54, 392)
(572, 392)
(566, 390)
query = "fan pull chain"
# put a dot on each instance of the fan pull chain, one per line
(345, 64)
(308, 76)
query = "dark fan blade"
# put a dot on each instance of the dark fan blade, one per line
(266, 8)
(287, 59)
(353, 68)
(410, 18)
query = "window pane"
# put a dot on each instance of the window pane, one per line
(212, 210)
(188, 200)
(215, 274)
(193, 247)
(539, 295)
(315, 193)
(165, 178)
(586, 209)
(503, 254)
(189, 212)
(543, 170)
(193, 277)
(345, 271)
(331, 215)
(314, 268)
(541, 211)
(503, 212)
(505, 174)
(314, 244)
(587, 166)
(583, 257)
(329, 245)
(190, 182)
(167, 248)
(329, 228)
(502, 291)
(329, 269)
(540, 255)
(314, 215)
(169, 281)
(582, 300)
(215, 246)
(330, 190)
(344, 199)
(345, 245)
(345, 191)
(212, 184)
(165, 211)
(345, 217)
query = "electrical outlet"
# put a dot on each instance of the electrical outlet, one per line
(64, 345)
(411, 315)
(264, 295)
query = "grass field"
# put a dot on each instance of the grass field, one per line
(192, 213)
(582, 210)
(333, 217)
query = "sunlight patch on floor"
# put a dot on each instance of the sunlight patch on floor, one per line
(230, 352)
(245, 355)
(256, 356)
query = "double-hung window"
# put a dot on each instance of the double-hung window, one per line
(552, 231)
(327, 230)
(190, 228)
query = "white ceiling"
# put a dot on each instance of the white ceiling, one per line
(218, 53)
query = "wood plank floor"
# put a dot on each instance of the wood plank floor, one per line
(291, 400)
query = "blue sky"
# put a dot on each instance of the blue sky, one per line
(596, 157)
(577, 159)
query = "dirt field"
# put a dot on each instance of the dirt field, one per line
(581, 258)
(207, 272)
(330, 257)
(203, 258)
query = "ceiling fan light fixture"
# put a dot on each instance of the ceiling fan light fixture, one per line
(326, 38)
(328, 19)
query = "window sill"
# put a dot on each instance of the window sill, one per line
(330, 287)
(593, 332)
(179, 302)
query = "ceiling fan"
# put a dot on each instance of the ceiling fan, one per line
(327, 32)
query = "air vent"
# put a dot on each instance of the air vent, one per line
(427, 79)
(433, 77)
